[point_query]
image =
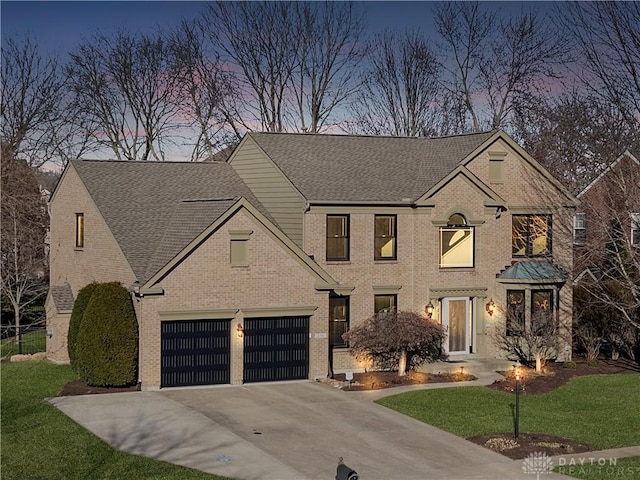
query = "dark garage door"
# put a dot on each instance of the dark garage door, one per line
(276, 349)
(195, 353)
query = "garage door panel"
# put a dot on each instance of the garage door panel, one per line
(276, 349)
(195, 352)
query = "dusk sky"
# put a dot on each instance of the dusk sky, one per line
(59, 26)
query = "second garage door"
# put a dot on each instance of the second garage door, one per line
(276, 349)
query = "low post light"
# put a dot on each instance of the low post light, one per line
(517, 413)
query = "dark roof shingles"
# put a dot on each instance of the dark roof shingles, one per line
(357, 168)
(62, 297)
(138, 200)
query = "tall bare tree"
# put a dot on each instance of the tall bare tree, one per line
(491, 62)
(400, 91)
(128, 86)
(39, 120)
(294, 62)
(208, 92)
(607, 34)
(24, 225)
(258, 38)
(329, 36)
(573, 135)
(610, 250)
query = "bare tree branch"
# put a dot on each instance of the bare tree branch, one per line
(127, 85)
(400, 91)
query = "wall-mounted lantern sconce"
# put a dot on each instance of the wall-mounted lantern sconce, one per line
(429, 309)
(49, 332)
(240, 330)
(491, 307)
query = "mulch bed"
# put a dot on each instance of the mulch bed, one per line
(555, 375)
(529, 443)
(78, 387)
(379, 380)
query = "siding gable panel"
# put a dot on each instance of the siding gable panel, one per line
(271, 188)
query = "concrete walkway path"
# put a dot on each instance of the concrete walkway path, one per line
(293, 430)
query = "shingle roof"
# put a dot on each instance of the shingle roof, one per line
(360, 168)
(145, 204)
(62, 297)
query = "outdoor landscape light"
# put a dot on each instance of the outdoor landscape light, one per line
(516, 423)
(429, 309)
(491, 307)
(240, 330)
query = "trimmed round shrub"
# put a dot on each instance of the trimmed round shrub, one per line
(107, 349)
(79, 306)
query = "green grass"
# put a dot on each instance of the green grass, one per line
(598, 410)
(40, 442)
(32, 342)
(622, 469)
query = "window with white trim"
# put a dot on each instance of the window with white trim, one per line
(579, 228)
(456, 243)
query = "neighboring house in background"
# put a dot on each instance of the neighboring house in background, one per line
(609, 212)
(251, 270)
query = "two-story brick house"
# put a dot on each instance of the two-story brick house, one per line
(251, 270)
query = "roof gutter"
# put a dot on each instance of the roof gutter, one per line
(337, 203)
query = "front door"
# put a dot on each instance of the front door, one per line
(456, 319)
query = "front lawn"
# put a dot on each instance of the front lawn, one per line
(40, 442)
(598, 410)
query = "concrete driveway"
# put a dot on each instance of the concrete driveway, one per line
(283, 431)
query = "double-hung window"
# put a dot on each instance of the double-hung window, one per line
(337, 237)
(541, 312)
(515, 313)
(579, 228)
(338, 321)
(385, 237)
(531, 235)
(456, 243)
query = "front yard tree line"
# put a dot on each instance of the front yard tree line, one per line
(208, 80)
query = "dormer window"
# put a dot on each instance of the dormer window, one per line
(456, 243)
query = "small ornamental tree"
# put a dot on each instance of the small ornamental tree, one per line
(79, 306)
(107, 347)
(536, 341)
(397, 340)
